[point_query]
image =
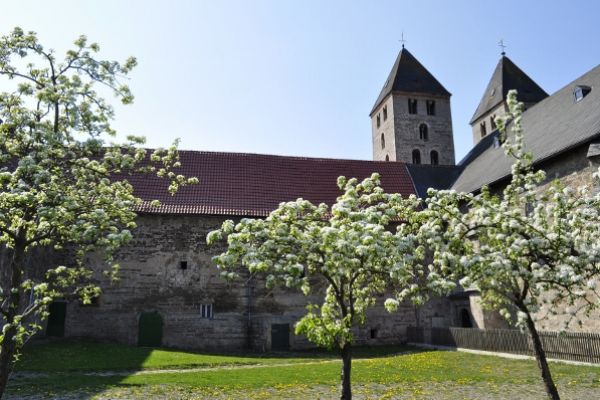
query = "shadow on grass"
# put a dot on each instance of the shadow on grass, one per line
(85, 368)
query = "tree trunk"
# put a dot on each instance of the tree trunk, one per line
(9, 345)
(346, 369)
(7, 352)
(540, 356)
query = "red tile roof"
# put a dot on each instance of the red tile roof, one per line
(240, 184)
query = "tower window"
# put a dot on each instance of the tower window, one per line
(482, 129)
(378, 120)
(434, 157)
(384, 113)
(412, 106)
(493, 122)
(382, 141)
(424, 132)
(416, 156)
(387, 157)
(430, 104)
(183, 264)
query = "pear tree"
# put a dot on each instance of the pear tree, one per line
(63, 179)
(350, 247)
(529, 245)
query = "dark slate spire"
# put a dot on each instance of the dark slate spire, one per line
(508, 76)
(409, 75)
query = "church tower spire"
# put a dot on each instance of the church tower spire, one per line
(411, 119)
(506, 76)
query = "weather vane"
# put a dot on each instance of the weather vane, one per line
(402, 40)
(502, 46)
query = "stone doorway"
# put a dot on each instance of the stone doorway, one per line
(280, 337)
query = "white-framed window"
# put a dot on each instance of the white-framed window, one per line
(206, 311)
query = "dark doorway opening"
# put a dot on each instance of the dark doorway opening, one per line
(56, 319)
(150, 330)
(465, 319)
(280, 337)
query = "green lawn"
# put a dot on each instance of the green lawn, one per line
(377, 373)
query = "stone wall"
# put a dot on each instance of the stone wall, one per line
(151, 280)
(386, 129)
(574, 169)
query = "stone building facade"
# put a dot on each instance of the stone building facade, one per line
(167, 271)
(171, 294)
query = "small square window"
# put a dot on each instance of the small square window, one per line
(206, 311)
(183, 264)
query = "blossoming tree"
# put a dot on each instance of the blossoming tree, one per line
(520, 246)
(350, 246)
(62, 184)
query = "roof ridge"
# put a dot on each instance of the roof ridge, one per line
(308, 158)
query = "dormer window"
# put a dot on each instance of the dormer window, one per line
(580, 92)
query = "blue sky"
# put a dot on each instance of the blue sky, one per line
(300, 77)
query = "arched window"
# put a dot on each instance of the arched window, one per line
(434, 157)
(387, 157)
(416, 156)
(423, 132)
(382, 141)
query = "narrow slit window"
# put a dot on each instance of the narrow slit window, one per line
(483, 129)
(384, 113)
(387, 157)
(382, 141)
(378, 120)
(424, 132)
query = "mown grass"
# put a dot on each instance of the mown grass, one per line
(418, 367)
(75, 355)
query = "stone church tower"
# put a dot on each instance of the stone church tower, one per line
(411, 120)
(506, 76)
